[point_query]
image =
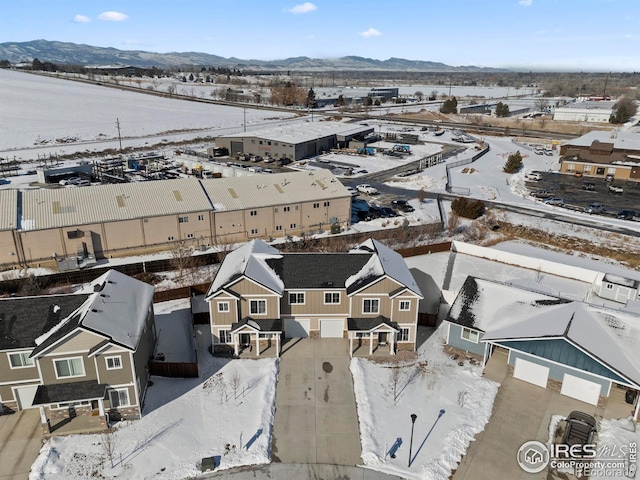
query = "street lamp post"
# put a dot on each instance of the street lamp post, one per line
(413, 422)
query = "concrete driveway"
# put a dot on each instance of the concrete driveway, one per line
(521, 412)
(316, 419)
(20, 443)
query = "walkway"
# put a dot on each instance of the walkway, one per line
(20, 443)
(316, 419)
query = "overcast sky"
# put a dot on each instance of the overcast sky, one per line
(571, 35)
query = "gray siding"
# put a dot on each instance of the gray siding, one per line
(143, 354)
(456, 341)
(557, 372)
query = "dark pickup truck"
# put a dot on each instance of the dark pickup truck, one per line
(581, 429)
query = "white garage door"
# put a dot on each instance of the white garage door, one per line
(531, 372)
(331, 328)
(296, 328)
(580, 389)
(25, 395)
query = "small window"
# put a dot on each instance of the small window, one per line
(20, 360)
(119, 398)
(331, 298)
(225, 336)
(609, 286)
(268, 143)
(403, 335)
(253, 213)
(69, 367)
(200, 218)
(170, 239)
(296, 298)
(371, 305)
(293, 225)
(470, 335)
(223, 307)
(260, 142)
(278, 228)
(405, 305)
(183, 219)
(189, 235)
(254, 231)
(296, 207)
(362, 335)
(258, 307)
(113, 363)
(326, 204)
(611, 170)
(316, 205)
(275, 210)
(286, 209)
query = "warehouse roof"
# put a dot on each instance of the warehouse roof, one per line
(304, 133)
(52, 208)
(8, 209)
(275, 189)
(621, 140)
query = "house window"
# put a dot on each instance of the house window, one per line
(200, 217)
(316, 205)
(286, 209)
(296, 298)
(331, 298)
(586, 168)
(268, 143)
(183, 219)
(370, 305)
(20, 360)
(296, 207)
(113, 363)
(470, 335)
(362, 335)
(223, 307)
(225, 336)
(254, 231)
(293, 225)
(609, 286)
(69, 367)
(278, 228)
(572, 167)
(275, 210)
(170, 239)
(119, 398)
(611, 170)
(253, 213)
(405, 305)
(403, 335)
(326, 204)
(189, 235)
(258, 307)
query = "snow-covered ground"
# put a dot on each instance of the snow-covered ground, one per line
(452, 402)
(184, 421)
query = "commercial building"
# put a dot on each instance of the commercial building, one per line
(588, 111)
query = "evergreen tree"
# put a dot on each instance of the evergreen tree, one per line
(449, 106)
(502, 110)
(514, 163)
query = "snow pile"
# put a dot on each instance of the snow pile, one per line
(228, 409)
(452, 403)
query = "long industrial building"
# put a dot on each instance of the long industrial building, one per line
(38, 225)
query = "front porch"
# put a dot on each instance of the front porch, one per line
(78, 424)
(255, 338)
(371, 335)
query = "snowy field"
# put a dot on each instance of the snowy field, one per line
(452, 403)
(184, 421)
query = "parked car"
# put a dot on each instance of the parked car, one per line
(352, 191)
(580, 429)
(387, 212)
(615, 189)
(578, 174)
(375, 212)
(83, 183)
(609, 178)
(588, 186)
(402, 205)
(626, 214)
(366, 188)
(541, 193)
(365, 215)
(556, 201)
(69, 181)
(594, 207)
(534, 176)
(269, 159)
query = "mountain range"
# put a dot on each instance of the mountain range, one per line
(88, 55)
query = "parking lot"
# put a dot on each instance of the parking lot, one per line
(570, 189)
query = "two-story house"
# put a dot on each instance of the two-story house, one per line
(367, 295)
(78, 354)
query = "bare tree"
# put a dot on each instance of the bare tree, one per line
(422, 195)
(235, 384)
(453, 223)
(394, 377)
(541, 104)
(419, 95)
(108, 444)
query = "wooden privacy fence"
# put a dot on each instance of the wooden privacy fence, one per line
(174, 369)
(424, 249)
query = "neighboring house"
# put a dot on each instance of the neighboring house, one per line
(78, 354)
(581, 350)
(260, 294)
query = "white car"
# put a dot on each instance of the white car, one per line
(616, 189)
(534, 176)
(366, 188)
(70, 181)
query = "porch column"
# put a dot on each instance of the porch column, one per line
(43, 415)
(370, 343)
(484, 356)
(101, 407)
(350, 345)
(392, 344)
(257, 344)
(277, 345)
(235, 344)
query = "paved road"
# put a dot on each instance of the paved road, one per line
(20, 443)
(282, 471)
(316, 419)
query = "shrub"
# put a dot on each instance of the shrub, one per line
(467, 208)
(514, 163)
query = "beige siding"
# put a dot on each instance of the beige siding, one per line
(79, 341)
(314, 304)
(8, 251)
(272, 307)
(412, 331)
(357, 306)
(248, 287)
(141, 357)
(196, 226)
(116, 376)
(410, 316)
(132, 396)
(384, 285)
(124, 234)
(8, 374)
(89, 235)
(42, 244)
(224, 318)
(158, 230)
(229, 226)
(49, 374)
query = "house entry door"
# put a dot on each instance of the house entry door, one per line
(382, 338)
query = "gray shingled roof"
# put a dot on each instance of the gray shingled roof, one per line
(368, 324)
(22, 320)
(317, 270)
(69, 392)
(264, 325)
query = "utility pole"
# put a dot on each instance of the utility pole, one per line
(119, 137)
(604, 92)
(244, 121)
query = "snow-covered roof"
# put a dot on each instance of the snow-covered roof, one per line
(249, 260)
(384, 262)
(620, 280)
(304, 133)
(622, 140)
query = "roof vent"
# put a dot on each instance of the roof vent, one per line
(56, 308)
(98, 287)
